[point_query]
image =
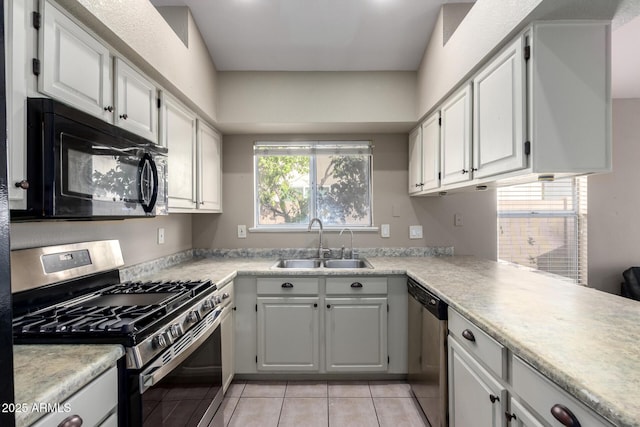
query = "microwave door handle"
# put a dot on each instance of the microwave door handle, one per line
(148, 183)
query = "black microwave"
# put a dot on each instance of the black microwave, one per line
(80, 167)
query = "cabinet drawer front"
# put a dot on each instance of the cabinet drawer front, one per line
(288, 286)
(93, 403)
(541, 394)
(481, 345)
(356, 285)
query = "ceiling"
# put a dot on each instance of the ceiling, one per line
(314, 35)
(356, 35)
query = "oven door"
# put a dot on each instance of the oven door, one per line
(183, 386)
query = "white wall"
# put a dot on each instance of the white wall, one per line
(290, 102)
(614, 204)
(391, 202)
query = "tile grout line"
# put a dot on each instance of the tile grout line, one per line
(373, 403)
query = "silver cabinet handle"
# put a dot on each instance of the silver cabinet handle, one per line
(564, 415)
(72, 421)
(468, 335)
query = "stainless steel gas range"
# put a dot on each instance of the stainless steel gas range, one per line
(172, 374)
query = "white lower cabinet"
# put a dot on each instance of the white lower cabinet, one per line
(96, 404)
(490, 387)
(319, 325)
(476, 398)
(548, 401)
(519, 416)
(356, 334)
(288, 334)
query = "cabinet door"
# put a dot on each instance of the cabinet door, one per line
(431, 152)
(136, 102)
(475, 397)
(288, 334)
(209, 168)
(179, 136)
(227, 332)
(415, 161)
(456, 137)
(18, 64)
(499, 132)
(75, 67)
(356, 334)
(521, 417)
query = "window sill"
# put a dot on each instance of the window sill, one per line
(315, 228)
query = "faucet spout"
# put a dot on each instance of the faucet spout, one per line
(351, 231)
(320, 248)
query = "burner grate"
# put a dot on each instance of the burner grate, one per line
(77, 319)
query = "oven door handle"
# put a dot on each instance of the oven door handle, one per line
(153, 374)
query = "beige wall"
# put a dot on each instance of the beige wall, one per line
(305, 102)
(614, 204)
(138, 237)
(390, 163)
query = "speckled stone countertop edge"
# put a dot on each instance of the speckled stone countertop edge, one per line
(68, 368)
(435, 274)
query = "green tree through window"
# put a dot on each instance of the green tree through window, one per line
(325, 180)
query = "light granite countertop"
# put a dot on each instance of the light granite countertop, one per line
(585, 340)
(52, 373)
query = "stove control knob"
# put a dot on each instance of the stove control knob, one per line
(208, 304)
(225, 295)
(193, 316)
(218, 299)
(176, 330)
(159, 342)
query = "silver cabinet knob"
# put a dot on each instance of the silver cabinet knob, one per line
(72, 421)
(24, 184)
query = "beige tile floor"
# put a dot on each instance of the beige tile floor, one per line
(321, 403)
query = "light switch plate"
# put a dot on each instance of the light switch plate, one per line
(415, 232)
(242, 232)
(161, 236)
(384, 230)
(457, 220)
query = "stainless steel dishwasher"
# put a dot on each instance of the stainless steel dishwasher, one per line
(427, 364)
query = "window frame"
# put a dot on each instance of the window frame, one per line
(314, 147)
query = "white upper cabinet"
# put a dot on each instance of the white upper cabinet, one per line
(541, 106)
(415, 161)
(179, 136)
(209, 168)
(136, 102)
(431, 152)
(424, 156)
(455, 114)
(499, 133)
(75, 67)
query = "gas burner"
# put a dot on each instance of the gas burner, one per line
(177, 286)
(60, 320)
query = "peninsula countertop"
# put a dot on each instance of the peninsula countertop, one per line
(51, 373)
(584, 340)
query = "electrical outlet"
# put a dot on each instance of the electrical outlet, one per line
(457, 220)
(161, 236)
(242, 232)
(415, 232)
(384, 230)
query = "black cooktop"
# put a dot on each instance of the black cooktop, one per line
(123, 313)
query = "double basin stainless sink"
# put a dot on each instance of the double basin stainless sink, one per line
(323, 263)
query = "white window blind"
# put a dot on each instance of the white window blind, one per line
(543, 225)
